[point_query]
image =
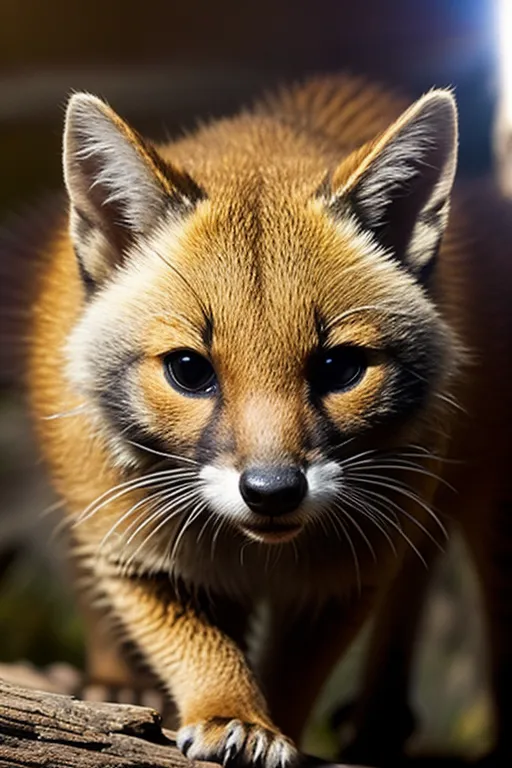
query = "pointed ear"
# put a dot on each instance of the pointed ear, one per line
(398, 186)
(118, 186)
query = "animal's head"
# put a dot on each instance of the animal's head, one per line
(256, 304)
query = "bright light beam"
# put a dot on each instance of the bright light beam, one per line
(503, 129)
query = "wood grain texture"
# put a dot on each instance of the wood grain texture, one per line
(56, 731)
(49, 730)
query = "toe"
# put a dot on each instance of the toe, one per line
(236, 743)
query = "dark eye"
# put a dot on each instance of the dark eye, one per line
(190, 373)
(337, 369)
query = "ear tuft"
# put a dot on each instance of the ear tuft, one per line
(118, 185)
(399, 190)
(107, 165)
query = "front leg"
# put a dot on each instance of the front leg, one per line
(223, 714)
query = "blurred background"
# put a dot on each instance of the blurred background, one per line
(164, 64)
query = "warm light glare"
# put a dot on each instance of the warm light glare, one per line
(504, 22)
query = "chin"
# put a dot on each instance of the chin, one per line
(272, 533)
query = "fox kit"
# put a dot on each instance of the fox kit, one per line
(261, 358)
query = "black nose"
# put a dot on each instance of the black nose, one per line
(273, 490)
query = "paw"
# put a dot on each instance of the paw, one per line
(231, 742)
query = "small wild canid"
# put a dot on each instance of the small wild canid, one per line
(270, 369)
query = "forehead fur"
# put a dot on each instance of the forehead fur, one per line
(266, 223)
(252, 276)
(264, 269)
(262, 243)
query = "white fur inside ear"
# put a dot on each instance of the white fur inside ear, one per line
(394, 169)
(400, 192)
(105, 167)
(428, 129)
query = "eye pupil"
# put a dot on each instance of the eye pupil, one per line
(189, 372)
(337, 369)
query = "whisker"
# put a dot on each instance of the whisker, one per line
(444, 397)
(66, 414)
(358, 528)
(51, 508)
(349, 460)
(195, 513)
(204, 526)
(435, 456)
(129, 486)
(359, 502)
(153, 499)
(179, 497)
(337, 522)
(392, 505)
(165, 520)
(402, 466)
(222, 522)
(244, 546)
(59, 528)
(452, 402)
(398, 528)
(410, 450)
(385, 482)
(172, 456)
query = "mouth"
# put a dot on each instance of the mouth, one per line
(272, 532)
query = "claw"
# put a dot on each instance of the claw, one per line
(185, 740)
(231, 742)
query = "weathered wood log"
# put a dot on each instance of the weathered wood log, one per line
(57, 731)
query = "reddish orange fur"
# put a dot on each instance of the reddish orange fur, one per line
(240, 164)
